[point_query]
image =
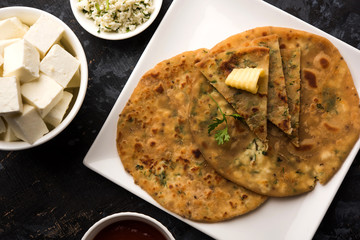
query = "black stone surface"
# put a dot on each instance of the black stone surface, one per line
(47, 193)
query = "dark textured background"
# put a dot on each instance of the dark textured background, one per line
(47, 193)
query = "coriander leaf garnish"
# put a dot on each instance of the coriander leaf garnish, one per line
(216, 122)
(97, 6)
(221, 136)
(236, 116)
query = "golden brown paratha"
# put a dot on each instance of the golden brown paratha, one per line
(245, 159)
(156, 147)
(252, 107)
(329, 122)
(291, 66)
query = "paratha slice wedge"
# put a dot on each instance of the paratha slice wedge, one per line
(278, 108)
(252, 107)
(155, 146)
(291, 66)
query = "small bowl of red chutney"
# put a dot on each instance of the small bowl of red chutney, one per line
(129, 226)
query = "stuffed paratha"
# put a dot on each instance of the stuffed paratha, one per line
(156, 147)
(245, 159)
(252, 107)
(329, 122)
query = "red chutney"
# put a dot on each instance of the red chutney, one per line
(129, 230)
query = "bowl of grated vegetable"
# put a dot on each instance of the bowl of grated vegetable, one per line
(115, 19)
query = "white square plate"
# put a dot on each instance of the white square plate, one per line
(189, 25)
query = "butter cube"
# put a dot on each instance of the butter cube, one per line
(10, 95)
(56, 115)
(5, 43)
(12, 28)
(44, 33)
(43, 93)
(245, 79)
(28, 126)
(22, 60)
(59, 65)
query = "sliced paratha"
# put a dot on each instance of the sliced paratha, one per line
(278, 109)
(264, 168)
(291, 66)
(156, 147)
(252, 107)
(329, 122)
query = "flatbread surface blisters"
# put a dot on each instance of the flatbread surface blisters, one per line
(252, 107)
(156, 147)
(291, 66)
(328, 128)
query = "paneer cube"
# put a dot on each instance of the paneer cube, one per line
(6, 133)
(59, 65)
(56, 115)
(75, 81)
(10, 96)
(12, 28)
(9, 135)
(2, 125)
(5, 43)
(44, 33)
(28, 126)
(22, 60)
(43, 93)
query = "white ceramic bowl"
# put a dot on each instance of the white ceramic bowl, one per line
(72, 44)
(89, 25)
(102, 223)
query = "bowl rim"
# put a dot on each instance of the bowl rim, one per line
(73, 40)
(91, 28)
(106, 221)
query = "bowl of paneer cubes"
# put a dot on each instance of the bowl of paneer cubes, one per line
(43, 77)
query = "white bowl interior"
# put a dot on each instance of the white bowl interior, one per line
(90, 27)
(71, 43)
(102, 223)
